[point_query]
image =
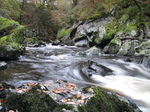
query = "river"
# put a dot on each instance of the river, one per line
(130, 79)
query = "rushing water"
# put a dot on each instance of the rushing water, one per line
(130, 79)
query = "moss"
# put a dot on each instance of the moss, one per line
(115, 41)
(33, 101)
(103, 102)
(63, 32)
(10, 31)
(63, 106)
(81, 108)
(7, 24)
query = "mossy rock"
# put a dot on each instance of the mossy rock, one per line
(113, 47)
(11, 51)
(63, 32)
(32, 101)
(7, 25)
(10, 29)
(104, 102)
(10, 39)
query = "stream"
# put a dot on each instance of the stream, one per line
(130, 79)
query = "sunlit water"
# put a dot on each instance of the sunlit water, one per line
(130, 79)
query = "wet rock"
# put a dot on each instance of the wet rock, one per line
(3, 65)
(146, 62)
(11, 52)
(57, 42)
(98, 69)
(93, 51)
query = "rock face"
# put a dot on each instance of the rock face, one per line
(10, 39)
(88, 33)
(122, 33)
(102, 33)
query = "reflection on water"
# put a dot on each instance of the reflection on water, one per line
(56, 62)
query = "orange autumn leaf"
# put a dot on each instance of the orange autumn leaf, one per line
(2, 101)
(80, 101)
(1, 88)
(66, 100)
(47, 91)
(78, 96)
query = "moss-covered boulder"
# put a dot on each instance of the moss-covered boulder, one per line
(32, 101)
(143, 49)
(113, 47)
(10, 39)
(104, 102)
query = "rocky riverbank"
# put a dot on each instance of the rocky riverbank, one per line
(61, 96)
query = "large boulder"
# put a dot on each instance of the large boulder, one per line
(104, 102)
(87, 33)
(143, 49)
(10, 39)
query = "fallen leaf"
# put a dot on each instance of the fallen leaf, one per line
(78, 96)
(118, 94)
(25, 90)
(70, 103)
(2, 101)
(1, 88)
(85, 97)
(66, 100)
(47, 91)
(32, 84)
(80, 101)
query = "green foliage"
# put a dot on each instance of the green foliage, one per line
(7, 24)
(103, 102)
(10, 31)
(63, 32)
(89, 10)
(12, 7)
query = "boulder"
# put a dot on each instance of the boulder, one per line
(97, 69)
(3, 65)
(10, 39)
(104, 102)
(113, 47)
(128, 47)
(143, 49)
(11, 51)
(93, 51)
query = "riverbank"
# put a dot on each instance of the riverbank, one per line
(58, 96)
